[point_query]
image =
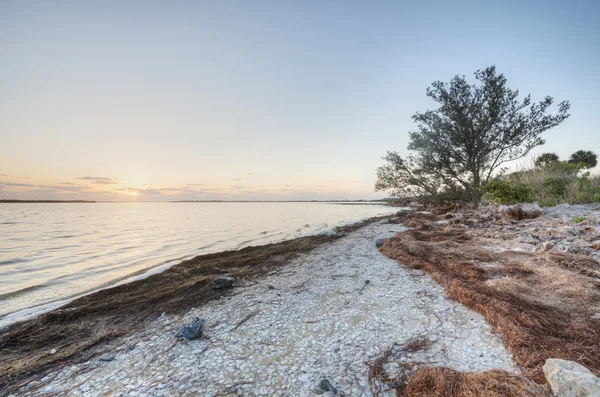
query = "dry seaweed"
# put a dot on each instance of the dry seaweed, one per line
(540, 302)
(414, 379)
(88, 325)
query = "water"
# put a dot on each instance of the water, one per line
(51, 253)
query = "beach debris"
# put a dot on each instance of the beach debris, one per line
(222, 283)
(596, 245)
(53, 351)
(107, 358)
(522, 211)
(379, 242)
(246, 318)
(567, 378)
(192, 330)
(324, 385)
(367, 282)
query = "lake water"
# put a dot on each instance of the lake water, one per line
(51, 253)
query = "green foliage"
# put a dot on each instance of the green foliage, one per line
(578, 219)
(596, 197)
(546, 160)
(475, 130)
(548, 186)
(557, 186)
(584, 159)
(565, 167)
(500, 191)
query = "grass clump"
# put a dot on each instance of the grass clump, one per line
(578, 219)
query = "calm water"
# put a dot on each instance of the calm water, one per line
(50, 253)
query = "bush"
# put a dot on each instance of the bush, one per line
(556, 187)
(501, 191)
(558, 183)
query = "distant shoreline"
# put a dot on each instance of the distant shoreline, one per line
(45, 201)
(347, 202)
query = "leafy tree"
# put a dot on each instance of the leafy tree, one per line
(475, 130)
(584, 159)
(546, 159)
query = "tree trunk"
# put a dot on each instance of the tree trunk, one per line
(476, 190)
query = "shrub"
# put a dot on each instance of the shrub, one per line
(501, 191)
(556, 187)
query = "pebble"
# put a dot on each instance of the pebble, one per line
(315, 321)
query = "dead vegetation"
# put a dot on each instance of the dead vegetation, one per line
(447, 382)
(542, 303)
(417, 379)
(87, 326)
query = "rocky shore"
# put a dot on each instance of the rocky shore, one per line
(344, 317)
(326, 315)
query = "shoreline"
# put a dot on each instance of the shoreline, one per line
(380, 321)
(24, 313)
(284, 329)
(60, 324)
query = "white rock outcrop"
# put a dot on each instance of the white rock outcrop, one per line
(522, 211)
(569, 379)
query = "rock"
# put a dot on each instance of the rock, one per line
(522, 211)
(192, 330)
(222, 283)
(596, 245)
(448, 215)
(379, 242)
(107, 358)
(569, 379)
(324, 385)
(545, 246)
(562, 248)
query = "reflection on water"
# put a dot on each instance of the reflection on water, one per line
(51, 252)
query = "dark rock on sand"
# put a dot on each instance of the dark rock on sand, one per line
(325, 385)
(222, 283)
(379, 242)
(107, 358)
(192, 330)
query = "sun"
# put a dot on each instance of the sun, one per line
(133, 193)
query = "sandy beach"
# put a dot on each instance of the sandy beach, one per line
(315, 317)
(321, 314)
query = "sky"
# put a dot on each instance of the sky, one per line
(261, 100)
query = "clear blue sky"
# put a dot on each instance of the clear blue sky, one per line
(261, 99)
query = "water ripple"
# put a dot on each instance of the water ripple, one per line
(112, 242)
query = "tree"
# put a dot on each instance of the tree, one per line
(546, 159)
(584, 159)
(476, 129)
